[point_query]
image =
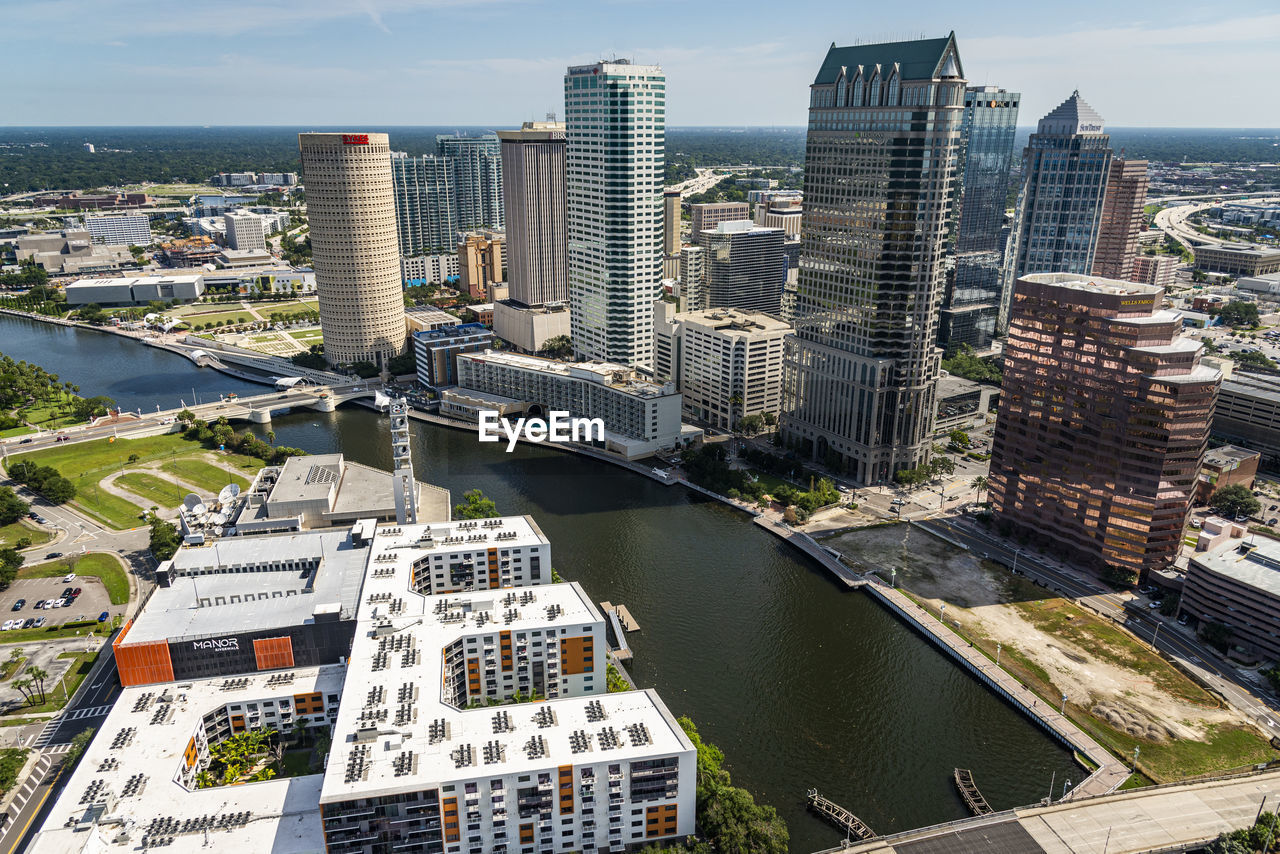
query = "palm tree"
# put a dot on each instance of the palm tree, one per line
(979, 485)
(271, 437)
(38, 675)
(24, 685)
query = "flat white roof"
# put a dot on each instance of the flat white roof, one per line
(284, 816)
(433, 623)
(608, 374)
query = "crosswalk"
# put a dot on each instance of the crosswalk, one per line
(47, 734)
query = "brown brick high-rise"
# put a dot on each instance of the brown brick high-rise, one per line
(1123, 219)
(1104, 419)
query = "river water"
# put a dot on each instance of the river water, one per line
(800, 682)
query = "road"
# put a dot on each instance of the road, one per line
(1172, 221)
(39, 790)
(1208, 665)
(705, 180)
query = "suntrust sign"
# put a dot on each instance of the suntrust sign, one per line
(559, 427)
(355, 139)
(218, 644)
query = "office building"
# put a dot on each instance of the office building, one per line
(726, 364)
(435, 351)
(691, 268)
(480, 263)
(615, 120)
(245, 231)
(533, 169)
(279, 179)
(784, 213)
(1065, 167)
(529, 329)
(92, 202)
(428, 269)
(354, 246)
(743, 266)
(963, 404)
(233, 179)
(670, 222)
(119, 229)
(426, 203)
(706, 216)
(640, 416)
(1238, 259)
(1155, 270)
(860, 376)
(1248, 414)
(135, 290)
(1104, 420)
(476, 165)
(1123, 219)
(1226, 466)
(971, 301)
(1237, 584)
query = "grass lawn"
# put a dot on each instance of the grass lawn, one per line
(183, 190)
(10, 534)
(21, 721)
(10, 667)
(296, 763)
(44, 633)
(770, 481)
(20, 430)
(231, 317)
(159, 492)
(313, 335)
(48, 415)
(1062, 619)
(208, 476)
(86, 463)
(102, 566)
(56, 693)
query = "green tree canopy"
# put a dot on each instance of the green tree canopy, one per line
(1234, 500)
(475, 506)
(1239, 313)
(12, 508)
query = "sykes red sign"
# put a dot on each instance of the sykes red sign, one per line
(355, 139)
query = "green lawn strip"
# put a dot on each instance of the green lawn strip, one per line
(1224, 748)
(50, 415)
(56, 693)
(97, 564)
(10, 534)
(296, 763)
(20, 430)
(86, 463)
(228, 318)
(22, 721)
(208, 476)
(11, 761)
(10, 667)
(73, 629)
(1112, 643)
(161, 493)
(1136, 781)
(306, 334)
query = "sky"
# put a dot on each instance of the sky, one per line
(365, 63)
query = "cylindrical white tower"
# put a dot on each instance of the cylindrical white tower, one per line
(354, 245)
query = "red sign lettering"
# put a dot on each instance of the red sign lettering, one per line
(355, 139)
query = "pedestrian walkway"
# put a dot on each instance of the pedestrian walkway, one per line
(92, 712)
(1110, 772)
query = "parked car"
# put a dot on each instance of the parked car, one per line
(33, 515)
(68, 578)
(52, 555)
(8, 624)
(17, 606)
(103, 617)
(75, 592)
(59, 603)
(68, 592)
(26, 441)
(1155, 605)
(38, 623)
(1183, 620)
(41, 520)
(29, 623)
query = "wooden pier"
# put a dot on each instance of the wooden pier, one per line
(839, 816)
(969, 791)
(627, 621)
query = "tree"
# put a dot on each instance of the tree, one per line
(1216, 634)
(164, 538)
(476, 506)
(365, 370)
(38, 675)
(11, 561)
(271, 437)
(1239, 313)
(942, 465)
(91, 407)
(557, 347)
(1235, 500)
(12, 508)
(749, 425)
(770, 419)
(979, 485)
(58, 490)
(958, 437)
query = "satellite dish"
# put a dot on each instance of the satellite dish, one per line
(217, 532)
(218, 519)
(191, 502)
(228, 493)
(200, 509)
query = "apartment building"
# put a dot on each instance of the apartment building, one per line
(245, 231)
(481, 263)
(436, 351)
(1155, 270)
(726, 364)
(743, 267)
(428, 269)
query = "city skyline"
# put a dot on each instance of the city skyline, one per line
(355, 56)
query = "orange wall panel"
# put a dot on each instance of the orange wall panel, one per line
(144, 663)
(273, 653)
(576, 655)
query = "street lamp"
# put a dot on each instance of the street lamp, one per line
(998, 647)
(1015, 559)
(1135, 758)
(1063, 712)
(1156, 634)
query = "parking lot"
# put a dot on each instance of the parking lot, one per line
(91, 602)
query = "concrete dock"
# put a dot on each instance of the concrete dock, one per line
(628, 622)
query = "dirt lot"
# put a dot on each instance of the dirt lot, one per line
(1120, 688)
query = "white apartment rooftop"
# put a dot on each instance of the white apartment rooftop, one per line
(435, 742)
(608, 374)
(133, 767)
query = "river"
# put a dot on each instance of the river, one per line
(800, 682)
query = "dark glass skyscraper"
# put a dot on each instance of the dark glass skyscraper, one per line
(972, 299)
(860, 376)
(1064, 180)
(476, 164)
